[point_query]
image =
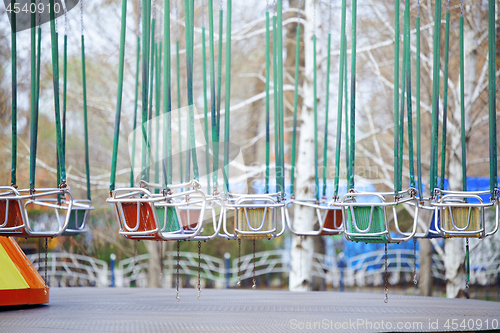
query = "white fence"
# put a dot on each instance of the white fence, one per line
(67, 269)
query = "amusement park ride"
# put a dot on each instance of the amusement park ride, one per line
(169, 211)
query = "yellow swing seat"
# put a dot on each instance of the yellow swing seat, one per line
(255, 216)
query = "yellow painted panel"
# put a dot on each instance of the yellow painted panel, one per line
(10, 277)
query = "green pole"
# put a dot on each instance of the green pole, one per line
(157, 112)
(215, 119)
(136, 98)
(419, 149)
(353, 94)
(149, 139)
(268, 134)
(228, 95)
(85, 122)
(275, 99)
(325, 144)
(445, 99)
(462, 99)
(13, 36)
(315, 106)
(33, 102)
(408, 98)
(55, 73)
(145, 84)
(119, 95)
(167, 98)
(396, 95)
(280, 96)
(205, 106)
(179, 104)
(492, 96)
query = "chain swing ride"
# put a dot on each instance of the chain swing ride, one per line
(328, 215)
(16, 204)
(168, 211)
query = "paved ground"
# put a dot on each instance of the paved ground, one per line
(155, 310)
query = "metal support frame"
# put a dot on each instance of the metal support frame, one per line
(192, 199)
(270, 203)
(322, 209)
(40, 197)
(348, 204)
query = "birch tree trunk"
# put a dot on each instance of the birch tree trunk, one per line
(303, 247)
(154, 264)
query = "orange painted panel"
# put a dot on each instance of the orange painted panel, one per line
(15, 217)
(146, 218)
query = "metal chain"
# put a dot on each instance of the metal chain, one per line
(177, 20)
(178, 259)
(199, 269)
(467, 263)
(462, 8)
(254, 286)
(39, 14)
(448, 5)
(414, 261)
(385, 283)
(81, 14)
(299, 10)
(239, 262)
(154, 9)
(45, 286)
(418, 8)
(55, 18)
(161, 263)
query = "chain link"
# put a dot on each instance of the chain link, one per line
(414, 261)
(55, 17)
(203, 13)
(462, 8)
(386, 290)
(448, 5)
(161, 263)
(154, 9)
(178, 259)
(254, 285)
(45, 268)
(299, 11)
(239, 262)
(418, 8)
(199, 269)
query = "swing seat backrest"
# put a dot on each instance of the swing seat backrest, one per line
(255, 219)
(369, 219)
(462, 219)
(143, 220)
(333, 222)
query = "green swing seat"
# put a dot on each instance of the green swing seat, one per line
(371, 219)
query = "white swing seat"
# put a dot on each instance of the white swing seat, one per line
(16, 209)
(368, 222)
(255, 216)
(328, 218)
(143, 215)
(461, 218)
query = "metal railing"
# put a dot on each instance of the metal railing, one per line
(67, 269)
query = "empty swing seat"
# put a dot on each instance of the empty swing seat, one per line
(143, 215)
(463, 213)
(369, 223)
(19, 209)
(255, 216)
(329, 219)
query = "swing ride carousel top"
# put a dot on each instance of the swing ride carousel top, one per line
(180, 215)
